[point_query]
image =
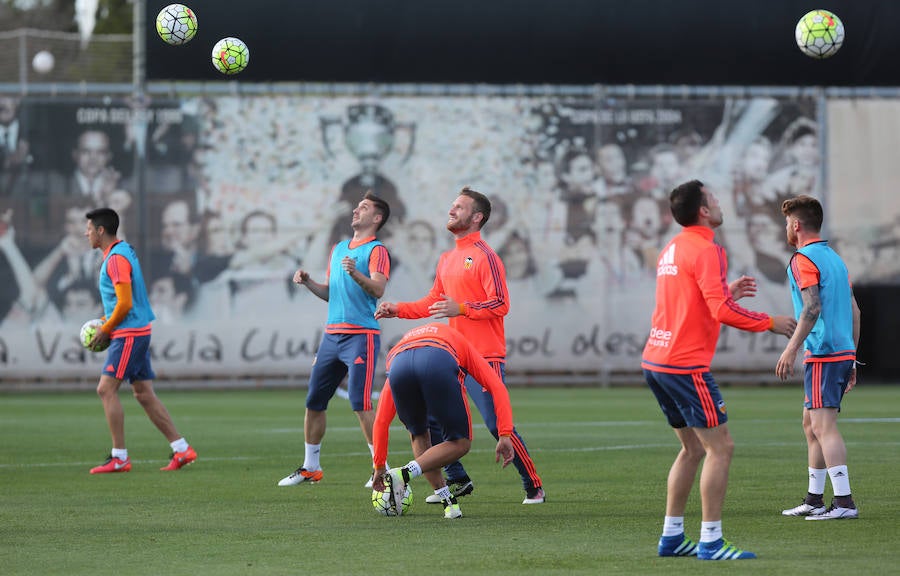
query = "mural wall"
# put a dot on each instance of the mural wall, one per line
(235, 193)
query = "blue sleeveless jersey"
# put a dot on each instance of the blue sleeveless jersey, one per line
(832, 334)
(140, 314)
(349, 306)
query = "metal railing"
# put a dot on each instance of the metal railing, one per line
(107, 58)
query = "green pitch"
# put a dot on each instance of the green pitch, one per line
(603, 454)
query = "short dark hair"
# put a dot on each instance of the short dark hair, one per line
(381, 207)
(523, 240)
(181, 284)
(565, 162)
(105, 217)
(500, 211)
(799, 128)
(685, 202)
(482, 204)
(258, 214)
(806, 209)
(188, 203)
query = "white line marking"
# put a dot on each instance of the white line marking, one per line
(618, 447)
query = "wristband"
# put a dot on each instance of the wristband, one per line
(462, 309)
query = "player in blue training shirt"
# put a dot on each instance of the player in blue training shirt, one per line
(357, 276)
(828, 327)
(126, 328)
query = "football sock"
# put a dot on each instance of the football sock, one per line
(414, 469)
(120, 453)
(840, 481)
(844, 501)
(444, 493)
(814, 499)
(311, 461)
(710, 531)
(673, 526)
(179, 445)
(817, 479)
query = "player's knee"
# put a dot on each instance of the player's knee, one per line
(820, 430)
(104, 390)
(693, 452)
(726, 447)
(807, 427)
(143, 395)
(720, 446)
(461, 446)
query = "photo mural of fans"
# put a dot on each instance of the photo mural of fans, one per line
(239, 192)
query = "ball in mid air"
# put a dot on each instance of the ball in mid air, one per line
(819, 34)
(176, 24)
(230, 55)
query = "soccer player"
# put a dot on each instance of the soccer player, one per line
(470, 289)
(426, 371)
(126, 329)
(828, 327)
(693, 299)
(357, 275)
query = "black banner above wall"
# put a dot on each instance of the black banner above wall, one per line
(644, 42)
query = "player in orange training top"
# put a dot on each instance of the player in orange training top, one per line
(426, 373)
(470, 290)
(693, 298)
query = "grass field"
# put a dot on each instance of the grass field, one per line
(603, 454)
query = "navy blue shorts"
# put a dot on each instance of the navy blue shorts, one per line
(825, 383)
(338, 355)
(427, 381)
(688, 399)
(129, 359)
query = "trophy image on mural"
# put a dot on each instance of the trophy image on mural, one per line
(369, 132)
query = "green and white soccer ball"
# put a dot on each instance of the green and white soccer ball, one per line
(176, 24)
(381, 500)
(230, 55)
(819, 34)
(88, 329)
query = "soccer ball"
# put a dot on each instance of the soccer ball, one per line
(819, 34)
(87, 334)
(176, 24)
(230, 55)
(382, 501)
(43, 62)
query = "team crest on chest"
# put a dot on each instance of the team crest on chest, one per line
(468, 263)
